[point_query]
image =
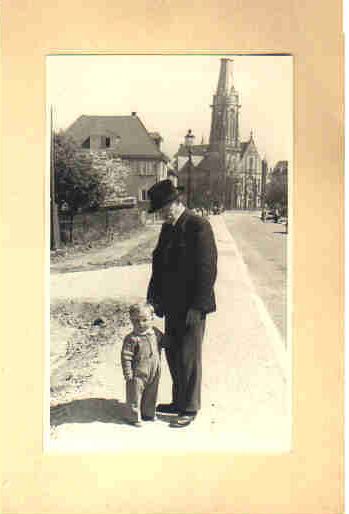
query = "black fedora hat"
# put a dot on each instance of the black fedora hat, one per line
(162, 193)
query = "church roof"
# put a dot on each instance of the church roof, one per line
(135, 140)
(210, 162)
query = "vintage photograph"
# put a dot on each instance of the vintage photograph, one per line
(169, 220)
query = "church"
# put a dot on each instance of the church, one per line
(226, 171)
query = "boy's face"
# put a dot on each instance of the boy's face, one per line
(142, 321)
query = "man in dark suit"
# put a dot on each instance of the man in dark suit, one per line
(181, 289)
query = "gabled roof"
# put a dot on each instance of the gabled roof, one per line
(135, 139)
(155, 135)
(210, 162)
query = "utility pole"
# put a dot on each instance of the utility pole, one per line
(55, 234)
(264, 182)
(189, 141)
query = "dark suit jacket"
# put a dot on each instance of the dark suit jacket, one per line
(184, 267)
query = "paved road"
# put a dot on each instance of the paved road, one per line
(264, 250)
(245, 388)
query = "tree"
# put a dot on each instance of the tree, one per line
(77, 182)
(276, 188)
(112, 173)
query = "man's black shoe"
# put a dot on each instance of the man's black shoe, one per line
(183, 420)
(168, 408)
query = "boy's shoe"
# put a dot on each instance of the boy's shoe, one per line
(168, 408)
(132, 423)
(149, 418)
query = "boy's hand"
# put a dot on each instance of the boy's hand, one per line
(194, 316)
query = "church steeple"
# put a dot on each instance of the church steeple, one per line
(225, 109)
(225, 76)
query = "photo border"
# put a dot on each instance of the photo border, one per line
(311, 478)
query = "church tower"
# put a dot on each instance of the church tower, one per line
(225, 111)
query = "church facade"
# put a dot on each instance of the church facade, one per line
(228, 170)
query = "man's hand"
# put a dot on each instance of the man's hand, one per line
(193, 317)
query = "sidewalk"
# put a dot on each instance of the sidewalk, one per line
(246, 382)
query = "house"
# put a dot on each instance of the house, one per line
(125, 138)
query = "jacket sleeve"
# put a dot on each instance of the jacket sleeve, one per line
(205, 265)
(128, 352)
(153, 292)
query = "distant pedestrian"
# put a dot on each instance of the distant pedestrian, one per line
(264, 215)
(140, 359)
(276, 215)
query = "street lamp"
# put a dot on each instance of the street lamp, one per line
(189, 141)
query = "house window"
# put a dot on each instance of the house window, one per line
(86, 143)
(251, 163)
(143, 195)
(150, 168)
(105, 142)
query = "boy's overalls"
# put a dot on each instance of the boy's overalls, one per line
(140, 358)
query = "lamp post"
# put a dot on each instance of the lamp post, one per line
(189, 141)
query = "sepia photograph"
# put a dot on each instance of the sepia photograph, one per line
(169, 272)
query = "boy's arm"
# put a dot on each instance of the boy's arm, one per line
(127, 356)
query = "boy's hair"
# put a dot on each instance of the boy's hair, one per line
(137, 308)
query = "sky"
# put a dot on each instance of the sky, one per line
(173, 93)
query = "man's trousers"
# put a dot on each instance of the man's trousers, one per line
(184, 358)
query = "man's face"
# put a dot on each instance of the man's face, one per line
(169, 212)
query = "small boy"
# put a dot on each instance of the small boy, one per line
(140, 360)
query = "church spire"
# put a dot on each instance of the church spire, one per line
(225, 109)
(225, 80)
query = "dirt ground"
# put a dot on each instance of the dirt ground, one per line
(134, 248)
(80, 329)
